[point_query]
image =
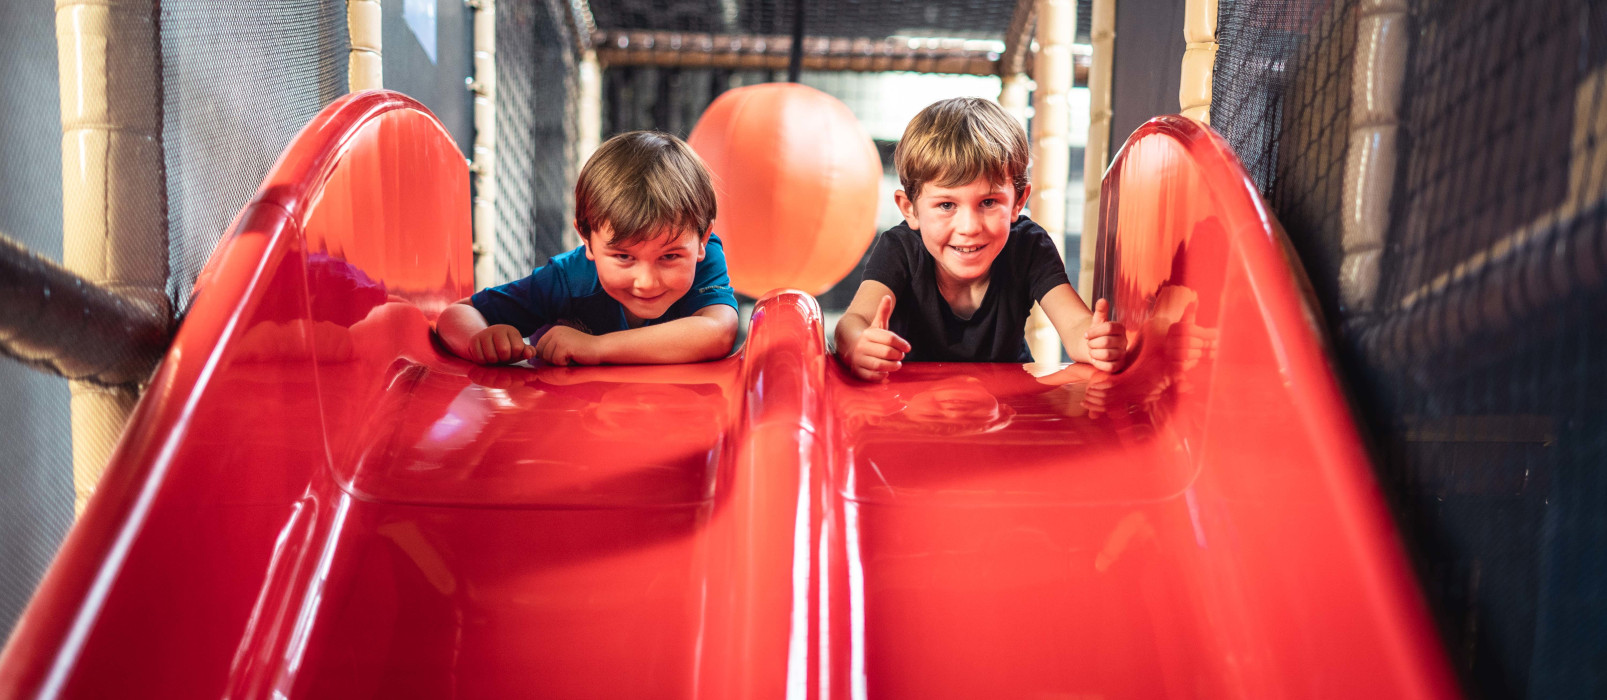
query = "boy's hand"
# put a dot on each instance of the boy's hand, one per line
(878, 351)
(566, 346)
(1107, 341)
(499, 345)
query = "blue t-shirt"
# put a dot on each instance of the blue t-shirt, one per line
(566, 290)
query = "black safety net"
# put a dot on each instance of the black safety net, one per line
(36, 477)
(536, 131)
(1479, 365)
(239, 81)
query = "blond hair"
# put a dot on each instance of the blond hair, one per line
(955, 141)
(644, 184)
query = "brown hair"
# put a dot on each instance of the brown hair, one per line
(955, 141)
(641, 183)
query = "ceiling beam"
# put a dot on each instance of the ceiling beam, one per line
(1017, 55)
(758, 52)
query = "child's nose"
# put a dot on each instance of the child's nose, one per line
(967, 222)
(646, 281)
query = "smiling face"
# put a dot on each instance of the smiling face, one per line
(963, 227)
(648, 276)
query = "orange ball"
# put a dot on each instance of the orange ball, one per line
(796, 178)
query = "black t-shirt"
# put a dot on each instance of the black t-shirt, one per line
(1026, 269)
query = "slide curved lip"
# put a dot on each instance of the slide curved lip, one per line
(1306, 358)
(43, 648)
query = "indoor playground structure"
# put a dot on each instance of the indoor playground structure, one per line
(1340, 313)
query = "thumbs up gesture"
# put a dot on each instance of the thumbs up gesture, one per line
(878, 351)
(1107, 341)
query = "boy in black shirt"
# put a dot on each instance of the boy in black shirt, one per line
(955, 282)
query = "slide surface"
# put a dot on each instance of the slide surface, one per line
(314, 501)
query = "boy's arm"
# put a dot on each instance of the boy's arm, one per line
(466, 334)
(881, 351)
(705, 335)
(1088, 336)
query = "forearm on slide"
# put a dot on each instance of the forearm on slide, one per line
(690, 339)
(457, 325)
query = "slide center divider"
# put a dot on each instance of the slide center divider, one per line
(770, 511)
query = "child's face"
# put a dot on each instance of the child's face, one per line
(649, 276)
(963, 227)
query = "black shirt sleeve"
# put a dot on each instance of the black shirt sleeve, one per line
(890, 262)
(1045, 268)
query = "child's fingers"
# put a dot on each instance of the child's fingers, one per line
(544, 347)
(899, 342)
(1107, 341)
(1101, 312)
(871, 364)
(551, 351)
(884, 313)
(868, 375)
(885, 337)
(1103, 330)
(880, 351)
(504, 348)
(526, 352)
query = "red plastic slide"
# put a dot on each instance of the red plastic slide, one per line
(314, 501)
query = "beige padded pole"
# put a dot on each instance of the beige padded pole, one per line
(363, 68)
(1051, 150)
(1015, 86)
(1096, 154)
(483, 166)
(1014, 90)
(1377, 73)
(114, 218)
(1199, 59)
(589, 117)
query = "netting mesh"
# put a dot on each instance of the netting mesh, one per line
(1282, 98)
(36, 482)
(667, 99)
(239, 80)
(536, 131)
(1481, 366)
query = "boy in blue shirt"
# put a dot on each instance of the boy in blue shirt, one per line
(648, 286)
(956, 280)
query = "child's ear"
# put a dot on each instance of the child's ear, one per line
(585, 242)
(1021, 201)
(703, 242)
(906, 206)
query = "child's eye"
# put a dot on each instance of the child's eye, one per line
(946, 206)
(671, 257)
(989, 202)
(622, 257)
